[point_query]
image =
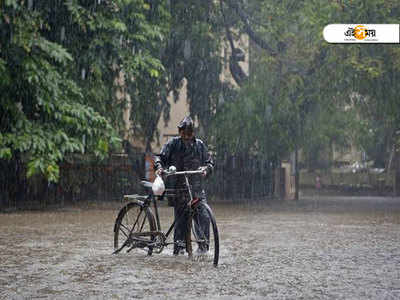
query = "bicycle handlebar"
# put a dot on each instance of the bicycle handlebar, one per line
(172, 171)
(168, 173)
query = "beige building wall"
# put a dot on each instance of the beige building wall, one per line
(178, 111)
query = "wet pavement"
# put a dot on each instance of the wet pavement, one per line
(317, 248)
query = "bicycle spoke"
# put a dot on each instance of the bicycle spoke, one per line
(205, 235)
(127, 227)
(135, 228)
(131, 221)
(126, 231)
(141, 227)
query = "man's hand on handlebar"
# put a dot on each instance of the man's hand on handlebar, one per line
(172, 171)
(204, 169)
(159, 171)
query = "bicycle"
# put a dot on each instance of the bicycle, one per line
(137, 227)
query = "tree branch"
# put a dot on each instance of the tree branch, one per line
(236, 70)
(245, 19)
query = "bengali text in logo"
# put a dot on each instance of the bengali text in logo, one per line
(362, 33)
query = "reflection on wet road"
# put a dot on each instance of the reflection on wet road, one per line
(318, 248)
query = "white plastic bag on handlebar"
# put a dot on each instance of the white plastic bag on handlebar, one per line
(158, 186)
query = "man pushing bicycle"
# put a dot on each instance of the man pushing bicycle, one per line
(186, 153)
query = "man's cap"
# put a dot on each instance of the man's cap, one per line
(186, 123)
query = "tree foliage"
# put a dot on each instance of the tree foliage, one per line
(60, 63)
(305, 93)
(193, 53)
(69, 67)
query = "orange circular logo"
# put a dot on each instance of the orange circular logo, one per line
(360, 32)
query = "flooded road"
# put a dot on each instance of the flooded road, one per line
(318, 248)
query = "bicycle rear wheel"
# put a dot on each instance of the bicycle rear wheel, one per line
(133, 218)
(203, 235)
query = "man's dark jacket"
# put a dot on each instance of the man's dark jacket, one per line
(185, 157)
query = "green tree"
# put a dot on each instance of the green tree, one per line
(117, 46)
(370, 73)
(318, 93)
(60, 63)
(43, 115)
(193, 52)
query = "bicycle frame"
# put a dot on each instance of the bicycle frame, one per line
(145, 231)
(153, 198)
(184, 173)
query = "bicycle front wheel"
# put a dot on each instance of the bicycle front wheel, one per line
(134, 218)
(202, 238)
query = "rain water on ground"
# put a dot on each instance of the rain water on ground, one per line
(316, 248)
